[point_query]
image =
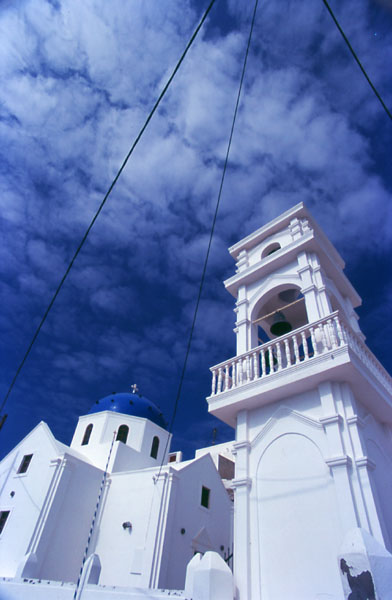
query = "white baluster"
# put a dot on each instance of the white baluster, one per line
(332, 334)
(219, 380)
(248, 366)
(305, 345)
(233, 374)
(296, 350)
(271, 359)
(263, 365)
(279, 355)
(227, 376)
(324, 338)
(287, 352)
(240, 371)
(256, 372)
(339, 330)
(213, 383)
(314, 343)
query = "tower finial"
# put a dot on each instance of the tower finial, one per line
(134, 388)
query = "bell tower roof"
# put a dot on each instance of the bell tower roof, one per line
(272, 246)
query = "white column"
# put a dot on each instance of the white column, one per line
(338, 461)
(308, 287)
(372, 517)
(242, 328)
(242, 485)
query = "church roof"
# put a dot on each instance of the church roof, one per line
(128, 403)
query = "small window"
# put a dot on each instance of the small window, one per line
(87, 434)
(155, 447)
(24, 465)
(205, 497)
(4, 514)
(270, 249)
(122, 433)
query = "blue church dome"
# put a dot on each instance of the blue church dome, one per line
(128, 403)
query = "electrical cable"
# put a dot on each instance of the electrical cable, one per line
(105, 474)
(210, 239)
(158, 101)
(357, 59)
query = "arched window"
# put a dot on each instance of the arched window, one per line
(270, 249)
(155, 447)
(87, 434)
(122, 433)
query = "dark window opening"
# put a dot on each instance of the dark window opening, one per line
(87, 434)
(271, 249)
(24, 465)
(205, 497)
(122, 433)
(155, 447)
(4, 514)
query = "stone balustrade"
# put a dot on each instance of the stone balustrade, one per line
(299, 346)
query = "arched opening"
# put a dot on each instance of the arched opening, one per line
(122, 434)
(281, 311)
(270, 249)
(87, 435)
(154, 447)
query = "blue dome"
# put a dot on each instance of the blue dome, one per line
(130, 404)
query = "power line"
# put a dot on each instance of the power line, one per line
(211, 235)
(357, 59)
(97, 506)
(158, 101)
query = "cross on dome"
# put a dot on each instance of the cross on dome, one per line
(134, 388)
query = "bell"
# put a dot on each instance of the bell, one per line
(280, 326)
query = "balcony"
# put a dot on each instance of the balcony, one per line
(295, 362)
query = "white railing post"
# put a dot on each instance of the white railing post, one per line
(305, 345)
(255, 365)
(287, 352)
(314, 343)
(324, 338)
(271, 360)
(240, 372)
(332, 334)
(227, 369)
(279, 355)
(219, 380)
(339, 330)
(248, 365)
(213, 383)
(263, 365)
(296, 350)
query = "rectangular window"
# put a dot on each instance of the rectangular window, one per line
(205, 497)
(3, 518)
(24, 465)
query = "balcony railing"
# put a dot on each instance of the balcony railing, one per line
(299, 346)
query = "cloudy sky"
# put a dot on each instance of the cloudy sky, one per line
(78, 79)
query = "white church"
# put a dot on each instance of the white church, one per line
(298, 507)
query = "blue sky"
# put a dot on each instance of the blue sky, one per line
(77, 82)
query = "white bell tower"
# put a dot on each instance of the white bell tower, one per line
(312, 407)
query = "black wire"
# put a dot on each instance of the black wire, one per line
(357, 59)
(104, 200)
(210, 239)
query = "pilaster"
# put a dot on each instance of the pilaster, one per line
(374, 522)
(31, 563)
(339, 462)
(242, 485)
(242, 327)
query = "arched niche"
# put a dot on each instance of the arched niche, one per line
(297, 516)
(287, 299)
